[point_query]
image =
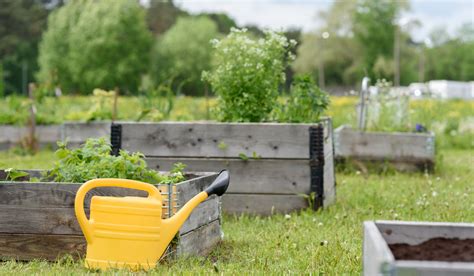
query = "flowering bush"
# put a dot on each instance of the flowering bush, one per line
(247, 73)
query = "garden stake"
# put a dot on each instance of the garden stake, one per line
(128, 232)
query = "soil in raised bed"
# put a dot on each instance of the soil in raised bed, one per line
(436, 249)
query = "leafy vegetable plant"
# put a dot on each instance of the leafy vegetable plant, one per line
(247, 73)
(93, 160)
(305, 104)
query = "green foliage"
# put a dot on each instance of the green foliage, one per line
(374, 29)
(92, 44)
(157, 103)
(93, 160)
(247, 74)
(13, 174)
(99, 110)
(452, 60)
(388, 111)
(305, 104)
(22, 22)
(183, 52)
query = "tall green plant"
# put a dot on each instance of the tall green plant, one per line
(92, 44)
(183, 52)
(305, 104)
(247, 73)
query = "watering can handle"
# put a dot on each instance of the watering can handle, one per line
(85, 224)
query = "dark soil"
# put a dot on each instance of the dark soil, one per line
(437, 249)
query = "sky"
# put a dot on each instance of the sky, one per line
(283, 14)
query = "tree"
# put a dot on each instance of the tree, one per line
(336, 53)
(92, 44)
(161, 15)
(21, 25)
(183, 52)
(374, 29)
(223, 21)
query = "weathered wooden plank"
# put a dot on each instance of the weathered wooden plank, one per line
(49, 247)
(77, 133)
(11, 136)
(61, 221)
(200, 241)
(204, 213)
(220, 140)
(329, 181)
(281, 176)
(262, 204)
(417, 232)
(409, 147)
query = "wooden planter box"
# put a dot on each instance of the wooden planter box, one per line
(381, 236)
(37, 220)
(75, 133)
(406, 151)
(272, 166)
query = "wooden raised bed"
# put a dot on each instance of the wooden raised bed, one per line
(37, 220)
(272, 165)
(405, 151)
(385, 240)
(75, 133)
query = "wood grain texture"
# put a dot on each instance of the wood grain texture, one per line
(408, 147)
(48, 247)
(204, 213)
(61, 221)
(202, 139)
(200, 241)
(77, 133)
(11, 136)
(262, 204)
(278, 176)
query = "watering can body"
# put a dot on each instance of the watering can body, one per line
(129, 232)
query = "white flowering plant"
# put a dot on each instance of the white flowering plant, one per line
(247, 74)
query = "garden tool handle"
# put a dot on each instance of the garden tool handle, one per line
(85, 224)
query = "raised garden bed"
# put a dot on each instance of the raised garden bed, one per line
(74, 132)
(405, 151)
(37, 220)
(418, 248)
(274, 167)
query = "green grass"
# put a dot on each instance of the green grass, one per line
(329, 241)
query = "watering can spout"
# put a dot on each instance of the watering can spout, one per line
(174, 223)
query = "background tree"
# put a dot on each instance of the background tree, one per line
(183, 52)
(223, 21)
(21, 25)
(92, 44)
(162, 14)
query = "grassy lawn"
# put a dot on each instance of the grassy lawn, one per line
(328, 241)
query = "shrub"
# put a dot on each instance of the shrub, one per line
(91, 44)
(305, 104)
(247, 73)
(183, 52)
(93, 160)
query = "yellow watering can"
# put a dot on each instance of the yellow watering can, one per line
(128, 232)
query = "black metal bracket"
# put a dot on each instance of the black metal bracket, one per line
(116, 138)
(316, 163)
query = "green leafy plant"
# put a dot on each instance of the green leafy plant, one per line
(247, 73)
(157, 103)
(101, 108)
(93, 160)
(13, 174)
(305, 104)
(387, 110)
